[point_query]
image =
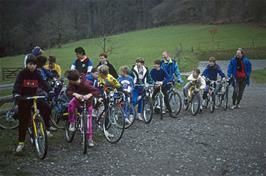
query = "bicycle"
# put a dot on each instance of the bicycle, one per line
(59, 103)
(111, 119)
(37, 128)
(147, 103)
(128, 109)
(193, 100)
(175, 100)
(81, 124)
(8, 113)
(222, 93)
(211, 95)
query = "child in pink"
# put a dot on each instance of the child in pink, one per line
(80, 88)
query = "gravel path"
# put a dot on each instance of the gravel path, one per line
(231, 142)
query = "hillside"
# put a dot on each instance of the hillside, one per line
(193, 41)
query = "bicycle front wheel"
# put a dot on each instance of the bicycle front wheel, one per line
(84, 127)
(147, 110)
(195, 104)
(212, 102)
(114, 124)
(175, 104)
(40, 137)
(225, 99)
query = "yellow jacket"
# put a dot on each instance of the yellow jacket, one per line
(109, 81)
(56, 68)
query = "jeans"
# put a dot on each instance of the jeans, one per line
(239, 87)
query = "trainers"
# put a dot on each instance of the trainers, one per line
(234, 107)
(127, 121)
(108, 134)
(90, 143)
(237, 106)
(72, 127)
(20, 147)
(139, 117)
(131, 118)
(51, 128)
(49, 134)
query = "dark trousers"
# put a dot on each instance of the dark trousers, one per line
(239, 87)
(166, 100)
(24, 112)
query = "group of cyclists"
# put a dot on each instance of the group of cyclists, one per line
(89, 83)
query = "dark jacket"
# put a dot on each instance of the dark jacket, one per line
(85, 87)
(28, 82)
(160, 75)
(111, 69)
(212, 72)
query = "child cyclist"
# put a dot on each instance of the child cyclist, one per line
(211, 72)
(93, 77)
(141, 75)
(26, 85)
(80, 88)
(106, 80)
(127, 86)
(161, 78)
(194, 78)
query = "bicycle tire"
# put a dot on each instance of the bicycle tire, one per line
(132, 112)
(225, 99)
(8, 122)
(161, 106)
(114, 116)
(147, 105)
(69, 135)
(195, 98)
(212, 102)
(41, 129)
(84, 126)
(177, 107)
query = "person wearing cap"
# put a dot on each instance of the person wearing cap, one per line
(104, 61)
(36, 51)
(53, 67)
(211, 72)
(239, 69)
(82, 63)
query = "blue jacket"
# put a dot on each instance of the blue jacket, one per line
(160, 75)
(91, 78)
(46, 73)
(171, 67)
(212, 73)
(231, 71)
(126, 82)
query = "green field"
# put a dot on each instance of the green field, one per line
(194, 41)
(259, 76)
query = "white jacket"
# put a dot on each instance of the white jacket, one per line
(199, 80)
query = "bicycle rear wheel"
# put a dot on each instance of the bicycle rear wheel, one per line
(57, 119)
(147, 110)
(195, 104)
(8, 116)
(175, 103)
(114, 125)
(161, 106)
(40, 137)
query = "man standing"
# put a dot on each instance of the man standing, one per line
(239, 69)
(82, 63)
(104, 61)
(171, 67)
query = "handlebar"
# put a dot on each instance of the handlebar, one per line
(31, 98)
